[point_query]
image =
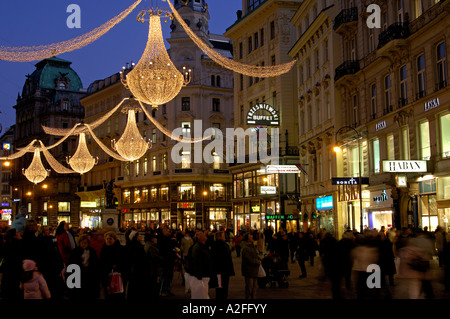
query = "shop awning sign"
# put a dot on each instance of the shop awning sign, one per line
(268, 190)
(88, 204)
(349, 181)
(282, 169)
(417, 166)
(263, 114)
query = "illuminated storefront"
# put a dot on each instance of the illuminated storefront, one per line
(381, 209)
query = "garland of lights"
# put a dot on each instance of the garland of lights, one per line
(249, 70)
(33, 53)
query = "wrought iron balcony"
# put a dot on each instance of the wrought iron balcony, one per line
(346, 68)
(345, 16)
(398, 30)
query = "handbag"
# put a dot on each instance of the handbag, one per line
(115, 283)
(261, 272)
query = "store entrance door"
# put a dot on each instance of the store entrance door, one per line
(189, 220)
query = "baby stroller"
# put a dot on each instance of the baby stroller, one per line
(276, 272)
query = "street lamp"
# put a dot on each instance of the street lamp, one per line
(337, 149)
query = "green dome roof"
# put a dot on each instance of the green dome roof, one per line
(49, 70)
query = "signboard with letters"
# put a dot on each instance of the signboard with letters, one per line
(263, 114)
(405, 166)
(324, 203)
(349, 181)
(268, 190)
(275, 169)
(380, 199)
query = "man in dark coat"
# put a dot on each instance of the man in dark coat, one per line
(166, 248)
(200, 266)
(222, 265)
(250, 266)
(301, 253)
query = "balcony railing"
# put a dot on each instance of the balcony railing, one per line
(346, 16)
(346, 68)
(398, 30)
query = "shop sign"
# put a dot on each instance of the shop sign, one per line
(405, 166)
(275, 169)
(5, 204)
(255, 209)
(88, 204)
(380, 198)
(431, 104)
(268, 190)
(279, 217)
(380, 125)
(349, 181)
(263, 114)
(324, 203)
(186, 205)
(6, 211)
(6, 146)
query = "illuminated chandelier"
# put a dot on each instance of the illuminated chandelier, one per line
(82, 161)
(155, 80)
(36, 172)
(131, 146)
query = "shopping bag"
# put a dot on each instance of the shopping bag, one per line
(115, 283)
(261, 272)
(187, 281)
(199, 288)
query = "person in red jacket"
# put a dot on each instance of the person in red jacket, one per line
(65, 241)
(237, 243)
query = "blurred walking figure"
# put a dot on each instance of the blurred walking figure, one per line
(185, 243)
(364, 254)
(237, 243)
(414, 268)
(293, 243)
(250, 266)
(301, 253)
(261, 242)
(440, 241)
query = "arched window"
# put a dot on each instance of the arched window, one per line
(218, 81)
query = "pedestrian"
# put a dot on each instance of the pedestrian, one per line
(200, 267)
(65, 241)
(387, 259)
(86, 258)
(250, 266)
(33, 283)
(139, 277)
(185, 243)
(97, 241)
(282, 248)
(12, 265)
(113, 259)
(152, 251)
(440, 241)
(222, 265)
(293, 243)
(261, 242)
(166, 248)
(237, 244)
(301, 253)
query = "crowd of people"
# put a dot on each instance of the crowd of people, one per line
(35, 263)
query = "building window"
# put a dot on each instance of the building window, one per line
(126, 196)
(399, 10)
(154, 136)
(441, 65)
(308, 68)
(319, 112)
(325, 51)
(185, 159)
(218, 81)
(261, 36)
(327, 101)
(241, 117)
(241, 50)
(272, 30)
(390, 147)
(403, 87)
(65, 105)
(137, 166)
(255, 37)
(154, 163)
(445, 135)
(421, 76)
(317, 60)
(216, 161)
(185, 103)
(145, 166)
(425, 151)
(165, 193)
(387, 94)
(355, 110)
(145, 195)
(164, 162)
(213, 80)
(216, 105)
(186, 129)
(376, 155)
(63, 207)
(405, 142)
(371, 40)
(374, 101)
(250, 44)
(186, 191)
(355, 161)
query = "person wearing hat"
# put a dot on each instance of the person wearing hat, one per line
(33, 283)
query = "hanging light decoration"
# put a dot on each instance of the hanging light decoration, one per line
(131, 146)
(82, 161)
(36, 172)
(155, 80)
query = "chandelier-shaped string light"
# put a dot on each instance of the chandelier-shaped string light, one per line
(33, 53)
(131, 145)
(36, 172)
(249, 70)
(82, 161)
(155, 80)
